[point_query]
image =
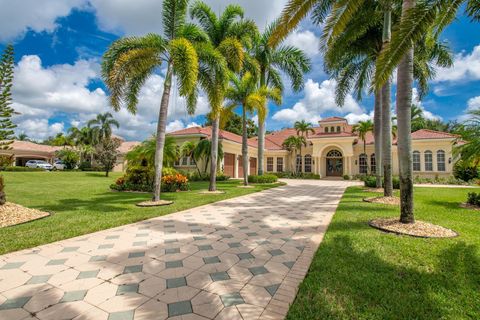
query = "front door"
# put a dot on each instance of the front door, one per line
(334, 167)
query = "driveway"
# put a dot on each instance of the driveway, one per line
(242, 258)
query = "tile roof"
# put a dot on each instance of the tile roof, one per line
(330, 119)
(207, 132)
(127, 146)
(32, 146)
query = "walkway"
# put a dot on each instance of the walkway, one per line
(241, 258)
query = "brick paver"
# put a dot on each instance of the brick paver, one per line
(241, 258)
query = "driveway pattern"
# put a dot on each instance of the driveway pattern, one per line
(242, 258)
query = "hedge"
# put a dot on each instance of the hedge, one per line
(266, 178)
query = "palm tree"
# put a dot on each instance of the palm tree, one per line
(303, 128)
(190, 149)
(469, 148)
(61, 140)
(102, 125)
(131, 60)
(294, 144)
(362, 128)
(416, 20)
(144, 153)
(227, 35)
(274, 60)
(22, 137)
(245, 92)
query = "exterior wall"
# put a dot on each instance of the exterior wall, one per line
(20, 157)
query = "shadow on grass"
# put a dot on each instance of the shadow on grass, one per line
(347, 283)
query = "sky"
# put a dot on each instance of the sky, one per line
(59, 45)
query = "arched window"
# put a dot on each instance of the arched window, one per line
(440, 160)
(428, 160)
(334, 154)
(338, 129)
(332, 129)
(373, 163)
(363, 158)
(326, 129)
(299, 163)
(308, 163)
(416, 161)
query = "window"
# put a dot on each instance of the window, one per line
(338, 129)
(332, 129)
(308, 163)
(440, 160)
(416, 161)
(363, 163)
(269, 164)
(373, 163)
(279, 164)
(326, 129)
(299, 163)
(185, 161)
(428, 160)
(334, 154)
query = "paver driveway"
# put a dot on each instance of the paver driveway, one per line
(241, 258)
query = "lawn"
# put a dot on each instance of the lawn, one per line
(81, 202)
(361, 273)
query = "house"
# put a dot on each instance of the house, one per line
(22, 151)
(332, 151)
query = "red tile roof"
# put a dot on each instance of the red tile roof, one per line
(422, 134)
(331, 119)
(32, 146)
(207, 132)
(127, 146)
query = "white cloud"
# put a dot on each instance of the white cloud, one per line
(466, 67)
(473, 103)
(318, 98)
(179, 125)
(304, 40)
(426, 114)
(353, 118)
(39, 129)
(17, 17)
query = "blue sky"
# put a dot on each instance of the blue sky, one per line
(59, 44)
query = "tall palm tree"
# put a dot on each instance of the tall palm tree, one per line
(131, 60)
(245, 92)
(274, 60)
(303, 128)
(102, 125)
(294, 144)
(227, 35)
(362, 128)
(190, 149)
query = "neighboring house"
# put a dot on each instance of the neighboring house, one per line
(23, 151)
(333, 150)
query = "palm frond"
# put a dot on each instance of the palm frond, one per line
(174, 14)
(185, 62)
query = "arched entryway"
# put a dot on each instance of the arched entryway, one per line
(334, 163)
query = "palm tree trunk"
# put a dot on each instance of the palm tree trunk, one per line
(161, 126)
(377, 122)
(404, 103)
(261, 145)
(244, 145)
(214, 154)
(386, 112)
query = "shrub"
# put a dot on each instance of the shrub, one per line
(266, 178)
(371, 182)
(22, 169)
(296, 175)
(346, 177)
(69, 157)
(194, 176)
(140, 178)
(172, 183)
(85, 166)
(473, 198)
(168, 171)
(465, 172)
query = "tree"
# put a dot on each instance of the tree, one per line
(294, 144)
(362, 128)
(144, 154)
(245, 92)
(190, 149)
(274, 60)
(6, 110)
(102, 126)
(60, 140)
(69, 157)
(131, 60)
(227, 35)
(303, 128)
(22, 137)
(106, 153)
(468, 146)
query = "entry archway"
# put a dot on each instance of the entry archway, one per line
(334, 163)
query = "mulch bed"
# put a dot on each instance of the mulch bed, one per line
(420, 229)
(469, 206)
(384, 200)
(154, 203)
(12, 214)
(211, 192)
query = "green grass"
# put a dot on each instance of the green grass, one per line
(361, 273)
(81, 202)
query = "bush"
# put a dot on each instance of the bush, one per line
(473, 198)
(266, 178)
(465, 172)
(168, 171)
(85, 166)
(439, 180)
(194, 176)
(22, 169)
(296, 175)
(346, 177)
(69, 157)
(371, 182)
(173, 183)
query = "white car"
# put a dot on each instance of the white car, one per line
(58, 165)
(39, 164)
